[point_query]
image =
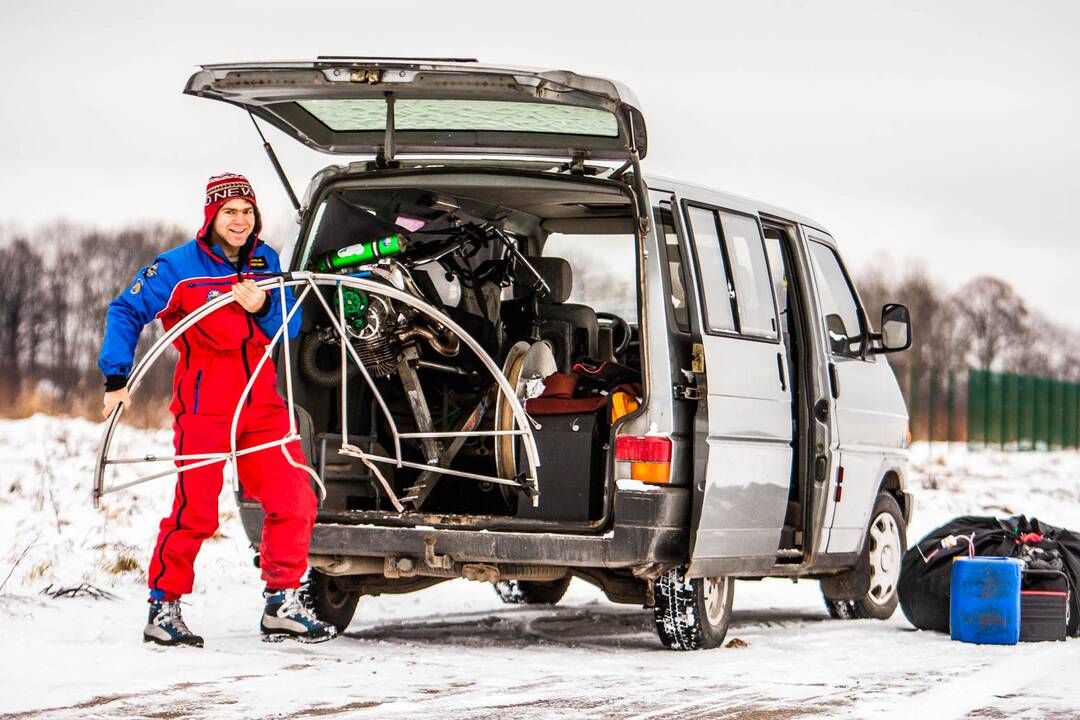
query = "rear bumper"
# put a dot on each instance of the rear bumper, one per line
(650, 526)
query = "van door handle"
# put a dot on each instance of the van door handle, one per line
(780, 369)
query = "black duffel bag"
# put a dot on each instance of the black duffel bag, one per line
(926, 573)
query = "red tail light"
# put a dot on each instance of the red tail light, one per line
(643, 448)
(649, 457)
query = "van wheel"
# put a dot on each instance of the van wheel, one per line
(869, 590)
(692, 614)
(532, 592)
(332, 601)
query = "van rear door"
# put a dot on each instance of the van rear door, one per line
(389, 107)
(744, 423)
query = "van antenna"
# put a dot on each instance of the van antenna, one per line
(277, 165)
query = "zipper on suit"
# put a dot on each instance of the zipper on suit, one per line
(198, 381)
(243, 354)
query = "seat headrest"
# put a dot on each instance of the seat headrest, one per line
(556, 273)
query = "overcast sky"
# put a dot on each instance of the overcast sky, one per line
(944, 131)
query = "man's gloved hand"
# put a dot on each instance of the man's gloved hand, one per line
(250, 297)
(112, 399)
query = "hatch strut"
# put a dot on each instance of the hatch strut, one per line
(277, 165)
(384, 158)
(639, 180)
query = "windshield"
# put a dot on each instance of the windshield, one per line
(604, 271)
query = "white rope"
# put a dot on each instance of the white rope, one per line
(300, 466)
(354, 451)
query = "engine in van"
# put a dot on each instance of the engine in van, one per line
(471, 267)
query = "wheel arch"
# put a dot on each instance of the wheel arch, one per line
(892, 484)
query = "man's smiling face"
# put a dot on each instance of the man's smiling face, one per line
(234, 222)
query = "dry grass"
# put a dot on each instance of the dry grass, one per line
(143, 414)
(124, 564)
(40, 570)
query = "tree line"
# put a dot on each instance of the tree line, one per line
(57, 285)
(982, 324)
(59, 280)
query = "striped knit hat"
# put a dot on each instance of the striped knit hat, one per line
(220, 189)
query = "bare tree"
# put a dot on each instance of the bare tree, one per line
(58, 283)
(994, 317)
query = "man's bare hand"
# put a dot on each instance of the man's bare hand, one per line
(250, 297)
(112, 399)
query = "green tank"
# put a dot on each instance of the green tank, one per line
(360, 253)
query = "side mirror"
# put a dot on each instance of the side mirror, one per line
(895, 328)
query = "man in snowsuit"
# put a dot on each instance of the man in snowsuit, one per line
(217, 358)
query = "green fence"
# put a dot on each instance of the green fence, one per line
(1022, 412)
(988, 409)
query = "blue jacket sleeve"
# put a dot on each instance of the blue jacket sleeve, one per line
(269, 318)
(147, 296)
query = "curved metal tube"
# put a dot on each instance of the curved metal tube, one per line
(312, 281)
(449, 348)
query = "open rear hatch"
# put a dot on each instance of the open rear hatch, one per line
(390, 107)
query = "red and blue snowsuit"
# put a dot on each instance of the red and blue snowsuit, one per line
(217, 357)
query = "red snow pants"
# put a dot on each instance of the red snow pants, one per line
(206, 388)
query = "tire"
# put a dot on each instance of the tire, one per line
(532, 592)
(692, 614)
(332, 601)
(869, 590)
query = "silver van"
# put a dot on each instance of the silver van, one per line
(698, 394)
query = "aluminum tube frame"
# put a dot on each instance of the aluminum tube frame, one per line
(313, 281)
(282, 332)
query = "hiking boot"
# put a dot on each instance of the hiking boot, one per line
(165, 626)
(287, 615)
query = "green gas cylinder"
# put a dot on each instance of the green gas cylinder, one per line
(360, 253)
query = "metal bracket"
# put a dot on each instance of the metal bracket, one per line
(444, 562)
(687, 392)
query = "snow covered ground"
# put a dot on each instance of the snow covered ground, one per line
(454, 651)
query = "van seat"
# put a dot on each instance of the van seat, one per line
(571, 328)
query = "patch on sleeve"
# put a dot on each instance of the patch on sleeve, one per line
(137, 287)
(150, 271)
(258, 263)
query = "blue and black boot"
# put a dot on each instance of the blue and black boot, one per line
(287, 615)
(165, 626)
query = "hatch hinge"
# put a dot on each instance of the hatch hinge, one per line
(369, 75)
(576, 166)
(277, 167)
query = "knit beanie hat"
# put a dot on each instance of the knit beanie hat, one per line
(220, 189)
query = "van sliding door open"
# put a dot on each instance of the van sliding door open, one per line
(744, 419)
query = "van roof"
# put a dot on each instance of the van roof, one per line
(684, 188)
(694, 191)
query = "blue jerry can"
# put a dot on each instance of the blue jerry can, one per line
(984, 606)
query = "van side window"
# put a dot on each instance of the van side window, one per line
(838, 306)
(676, 282)
(716, 289)
(753, 287)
